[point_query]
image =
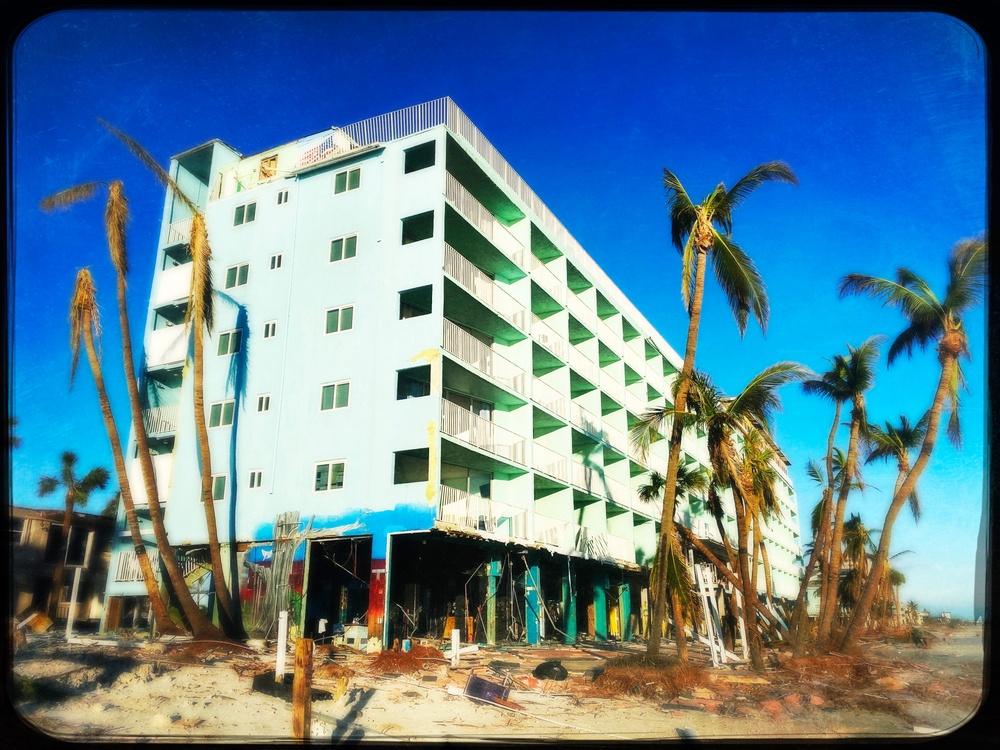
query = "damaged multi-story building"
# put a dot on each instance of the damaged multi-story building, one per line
(413, 354)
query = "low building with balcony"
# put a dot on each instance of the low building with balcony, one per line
(412, 353)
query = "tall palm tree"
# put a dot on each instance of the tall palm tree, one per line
(722, 417)
(77, 492)
(895, 443)
(929, 321)
(85, 326)
(13, 441)
(700, 232)
(678, 583)
(115, 219)
(858, 376)
(199, 318)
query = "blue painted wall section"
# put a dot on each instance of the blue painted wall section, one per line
(532, 610)
(601, 605)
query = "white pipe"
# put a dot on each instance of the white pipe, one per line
(279, 668)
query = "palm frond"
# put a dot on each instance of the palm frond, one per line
(772, 171)
(652, 490)
(47, 485)
(201, 274)
(69, 196)
(115, 219)
(682, 211)
(95, 479)
(967, 266)
(814, 471)
(82, 312)
(740, 282)
(759, 400)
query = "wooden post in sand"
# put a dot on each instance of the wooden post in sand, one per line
(302, 690)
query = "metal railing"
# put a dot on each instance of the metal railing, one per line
(615, 438)
(584, 420)
(616, 491)
(173, 285)
(635, 404)
(544, 334)
(459, 508)
(472, 351)
(480, 217)
(472, 429)
(567, 536)
(634, 359)
(611, 338)
(179, 232)
(167, 346)
(544, 394)
(128, 570)
(482, 287)
(160, 420)
(584, 365)
(581, 310)
(543, 276)
(620, 548)
(549, 462)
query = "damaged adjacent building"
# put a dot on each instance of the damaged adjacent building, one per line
(413, 354)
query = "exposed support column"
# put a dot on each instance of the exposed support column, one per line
(569, 602)
(625, 608)
(532, 597)
(601, 604)
(493, 583)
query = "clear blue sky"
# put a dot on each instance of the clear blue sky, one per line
(882, 116)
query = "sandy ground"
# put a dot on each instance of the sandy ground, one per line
(162, 692)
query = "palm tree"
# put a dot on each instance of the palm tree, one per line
(85, 326)
(678, 575)
(723, 417)
(77, 492)
(700, 232)
(857, 374)
(199, 317)
(115, 219)
(929, 321)
(895, 443)
(13, 441)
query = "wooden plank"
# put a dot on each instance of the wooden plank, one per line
(302, 690)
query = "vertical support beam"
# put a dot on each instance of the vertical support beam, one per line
(569, 602)
(493, 583)
(305, 585)
(376, 599)
(625, 608)
(302, 690)
(72, 603)
(279, 666)
(456, 644)
(644, 614)
(601, 605)
(532, 607)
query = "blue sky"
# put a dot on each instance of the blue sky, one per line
(881, 115)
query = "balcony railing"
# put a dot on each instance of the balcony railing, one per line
(173, 285)
(128, 570)
(483, 288)
(611, 383)
(472, 429)
(634, 358)
(544, 394)
(583, 313)
(545, 335)
(635, 404)
(163, 465)
(567, 536)
(651, 508)
(615, 438)
(549, 462)
(547, 280)
(584, 365)
(462, 344)
(481, 218)
(584, 420)
(459, 508)
(620, 548)
(167, 346)
(616, 491)
(611, 338)
(179, 232)
(586, 478)
(161, 420)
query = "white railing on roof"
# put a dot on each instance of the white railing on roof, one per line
(472, 429)
(545, 335)
(547, 280)
(584, 365)
(484, 358)
(325, 146)
(471, 278)
(459, 508)
(549, 462)
(549, 397)
(481, 218)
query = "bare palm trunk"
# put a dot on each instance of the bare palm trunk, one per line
(57, 574)
(673, 459)
(160, 612)
(747, 589)
(852, 633)
(678, 615)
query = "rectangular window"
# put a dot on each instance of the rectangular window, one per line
(237, 275)
(264, 402)
(418, 157)
(340, 319)
(245, 214)
(221, 414)
(329, 476)
(218, 486)
(270, 329)
(256, 478)
(282, 197)
(335, 396)
(349, 179)
(276, 262)
(229, 342)
(418, 227)
(343, 248)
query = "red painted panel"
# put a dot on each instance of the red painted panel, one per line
(376, 598)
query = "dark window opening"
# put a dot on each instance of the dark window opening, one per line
(419, 157)
(413, 383)
(415, 302)
(410, 468)
(418, 227)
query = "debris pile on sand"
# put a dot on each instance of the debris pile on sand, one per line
(403, 662)
(647, 676)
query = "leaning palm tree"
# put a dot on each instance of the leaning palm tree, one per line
(700, 232)
(858, 376)
(678, 583)
(895, 443)
(199, 318)
(722, 417)
(77, 492)
(85, 327)
(929, 321)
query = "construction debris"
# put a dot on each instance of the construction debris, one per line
(550, 670)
